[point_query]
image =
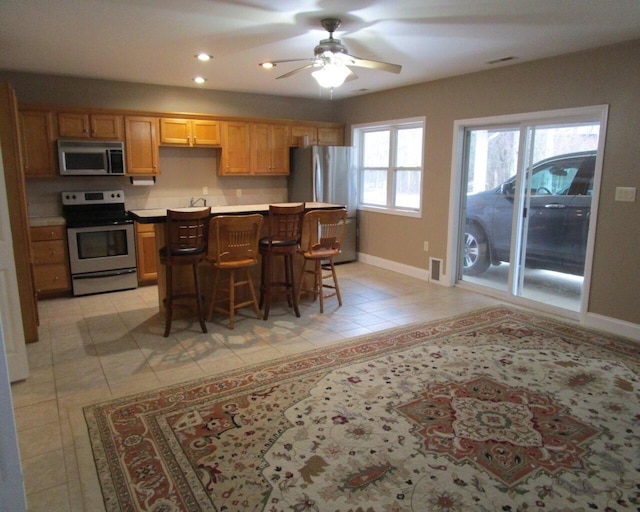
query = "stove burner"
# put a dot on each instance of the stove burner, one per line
(94, 208)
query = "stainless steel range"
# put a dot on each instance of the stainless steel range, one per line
(101, 241)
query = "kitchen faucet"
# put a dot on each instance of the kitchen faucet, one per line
(193, 201)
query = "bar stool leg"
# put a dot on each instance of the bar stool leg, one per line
(253, 292)
(335, 282)
(319, 286)
(196, 280)
(232, 298)
(168, 301)
(267, 276)
(291, 285)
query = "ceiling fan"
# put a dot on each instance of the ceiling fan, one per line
(332, 60)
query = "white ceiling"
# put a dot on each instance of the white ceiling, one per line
(154, 41)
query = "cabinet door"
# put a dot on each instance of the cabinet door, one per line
(279, 150)
(37, 143)
(141, 139)
(261, 147)
(147, 253)
(236, 152)
(73, 125)
(270, 144)
(47, 253)
(205, 132)
(106, 126)
(330, 136)
(297, 134)
(51, 278)
(175, 131)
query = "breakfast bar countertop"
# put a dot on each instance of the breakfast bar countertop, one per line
(158, 215)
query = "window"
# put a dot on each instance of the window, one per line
(390, 165)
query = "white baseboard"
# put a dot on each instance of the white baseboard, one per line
(400, 268)
(613, 326)
(592, 320)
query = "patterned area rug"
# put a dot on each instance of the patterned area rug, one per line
(496, 410)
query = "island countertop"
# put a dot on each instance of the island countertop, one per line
(158, 215)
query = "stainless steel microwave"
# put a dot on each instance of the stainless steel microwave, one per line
(91, 158)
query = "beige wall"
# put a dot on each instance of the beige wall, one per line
(604, 76)
(609, 75)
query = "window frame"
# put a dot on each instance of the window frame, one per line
(358, 133)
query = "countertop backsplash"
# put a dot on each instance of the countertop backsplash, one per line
(185, 173)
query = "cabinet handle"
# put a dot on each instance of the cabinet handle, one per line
(52, 252)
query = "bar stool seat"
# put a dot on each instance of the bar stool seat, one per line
(283, 239)
(233, 247)
(322, 232)
(186, 236)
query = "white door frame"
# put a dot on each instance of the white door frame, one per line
(13, 363)
(599, 112)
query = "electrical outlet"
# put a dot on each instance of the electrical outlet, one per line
(626, 194)
(238, 192)
(205, 191)
(426, 246)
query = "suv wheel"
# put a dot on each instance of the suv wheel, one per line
(476, 255)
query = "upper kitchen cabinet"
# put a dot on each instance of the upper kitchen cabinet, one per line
(141, 145)
(189, 132)
(236, 149)
(38, 146)
(316, 135)
(90, 126)
(270, 149)
(298, 133)
(330, 136)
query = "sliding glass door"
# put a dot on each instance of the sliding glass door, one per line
(526, 208)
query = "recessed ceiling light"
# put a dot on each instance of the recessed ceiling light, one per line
(267, 65)
(204, 57)
(199, 80)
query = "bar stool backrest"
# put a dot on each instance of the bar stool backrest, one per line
(285, 223)
(235, 238)
(186, 233)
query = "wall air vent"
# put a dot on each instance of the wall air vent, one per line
(435, 270)
(501, 60)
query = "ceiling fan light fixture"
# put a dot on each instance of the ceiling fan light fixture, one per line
(267, 65)
(331, 75)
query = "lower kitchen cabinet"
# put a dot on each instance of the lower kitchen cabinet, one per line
(50, 261)
(146, 254)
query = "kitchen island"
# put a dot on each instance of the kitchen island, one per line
(183, 282)
(159, 215)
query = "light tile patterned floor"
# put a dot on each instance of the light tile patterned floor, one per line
(99, 347)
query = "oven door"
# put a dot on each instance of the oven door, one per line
(101, 248)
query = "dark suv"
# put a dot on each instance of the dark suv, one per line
(559, 211)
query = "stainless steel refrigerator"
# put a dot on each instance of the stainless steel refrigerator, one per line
(326, 174)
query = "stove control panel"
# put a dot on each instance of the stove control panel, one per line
(87, 197)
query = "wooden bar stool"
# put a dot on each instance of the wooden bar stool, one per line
(322, 234)
(283, 239)
(186, 236)
(233, 246)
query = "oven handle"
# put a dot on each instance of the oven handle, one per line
(108, 274)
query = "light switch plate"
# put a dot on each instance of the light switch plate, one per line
(626, 194)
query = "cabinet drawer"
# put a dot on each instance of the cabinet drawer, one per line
(51, 251)
(40, 233)
(51, 278)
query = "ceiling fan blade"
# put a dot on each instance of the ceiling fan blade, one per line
(286, 75)
(351, 76)
(287, 60)
(375, 64)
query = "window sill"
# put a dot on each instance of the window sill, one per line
(391, 211)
